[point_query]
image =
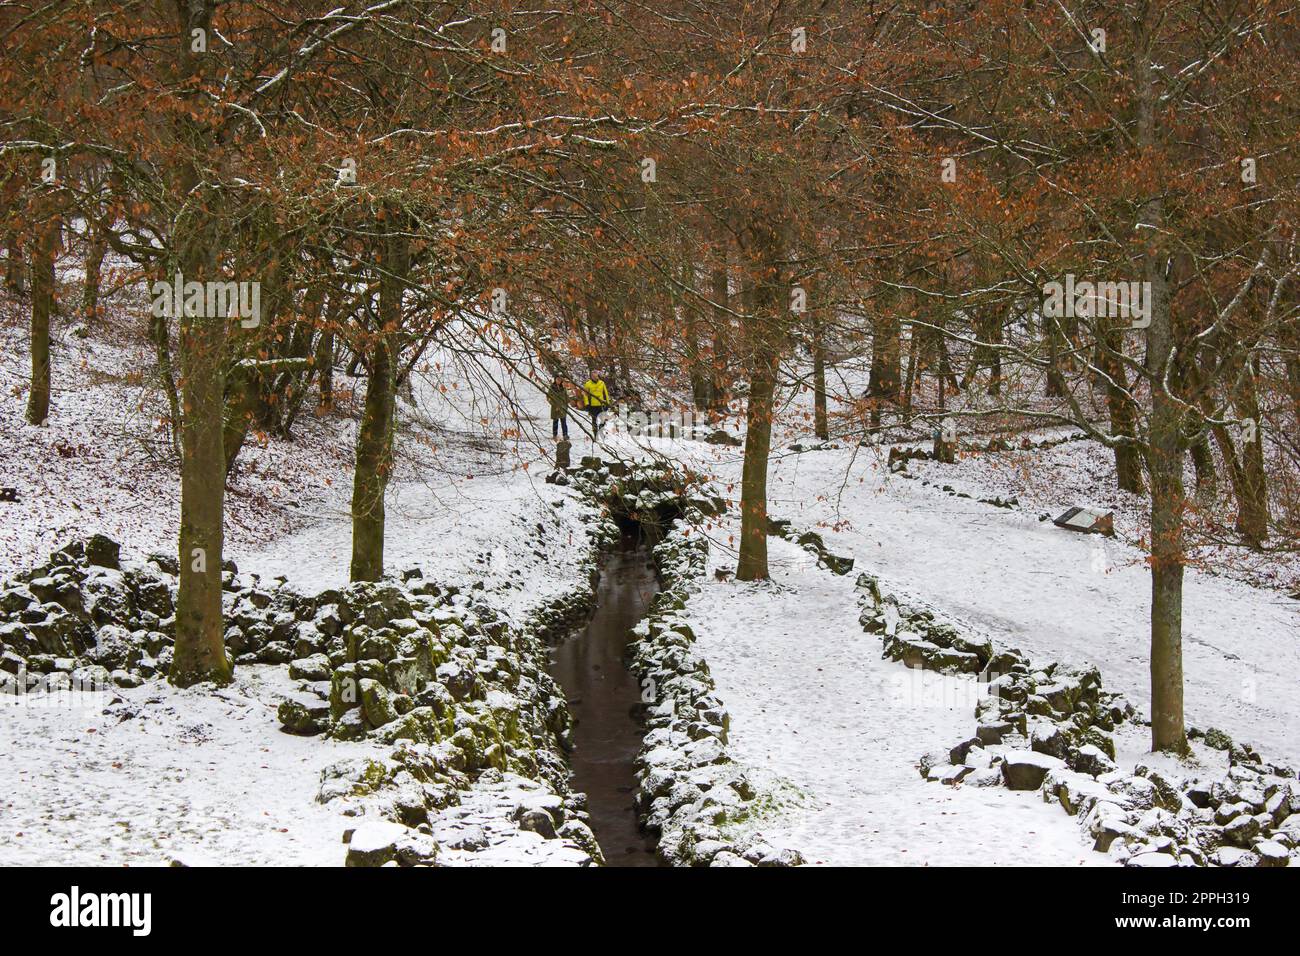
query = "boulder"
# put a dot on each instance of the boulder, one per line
(537, 821)
(1216, 739)
(375, 843)
(303, 713)
(377, 703)
(313, 668)
(1272, 853)
(103, 551)
(1235, 856)
(1091, 760)
(1026, 769)
(992, 732)
(991, 777)
(1241, 831)
(1150, 859)
(115, 648)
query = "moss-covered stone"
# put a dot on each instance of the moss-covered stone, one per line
(377, 703)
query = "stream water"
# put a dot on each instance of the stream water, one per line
(604, 698)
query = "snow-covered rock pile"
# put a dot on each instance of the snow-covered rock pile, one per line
(811, 542)
(1049, 729)
(652, 494)
(464, 698)
(86, 620)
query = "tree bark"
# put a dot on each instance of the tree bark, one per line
(160, 334)
(200, 651)
(1123, 414)
(240, 406)
(43, 256)
(821, 424)
(752, 563)
(1252, 502)
(325, 369)
(375, 436)
(1167, 558)
(700, 381)
(722, 324)
(1167, 447)
(764, 332)
(886, 378)
(14, 267)
(374, 462)
(95, 250)
(1207, 480)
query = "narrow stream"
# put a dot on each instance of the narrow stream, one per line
(604, 698)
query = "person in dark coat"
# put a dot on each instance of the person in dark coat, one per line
(558, 396)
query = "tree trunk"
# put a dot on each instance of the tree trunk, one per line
(1123, 415)
(912, 378)
(375, 436)
(43, 255)
(752, 564)
(1290, 338)
(14, 265)
(721, 293)
(1207, 480)
(700, 381)
(160, 333)
(95, 250)
(1167, 502)
(886, 378)
(325, 369)
(1166, 446)
(374, 462)
(200, 651)
(764, 333)
(821, 426)
(1252, 503)
(1052, 333)
(240, 405)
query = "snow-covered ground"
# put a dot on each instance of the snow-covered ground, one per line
(1078, 599)
(513, 534)
(153, 775)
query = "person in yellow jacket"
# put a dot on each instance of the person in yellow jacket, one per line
(595, 397)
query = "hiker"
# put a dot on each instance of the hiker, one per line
(595, 396)
(558, 396)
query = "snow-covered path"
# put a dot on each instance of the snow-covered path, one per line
(813, 706)
(1057, 595)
